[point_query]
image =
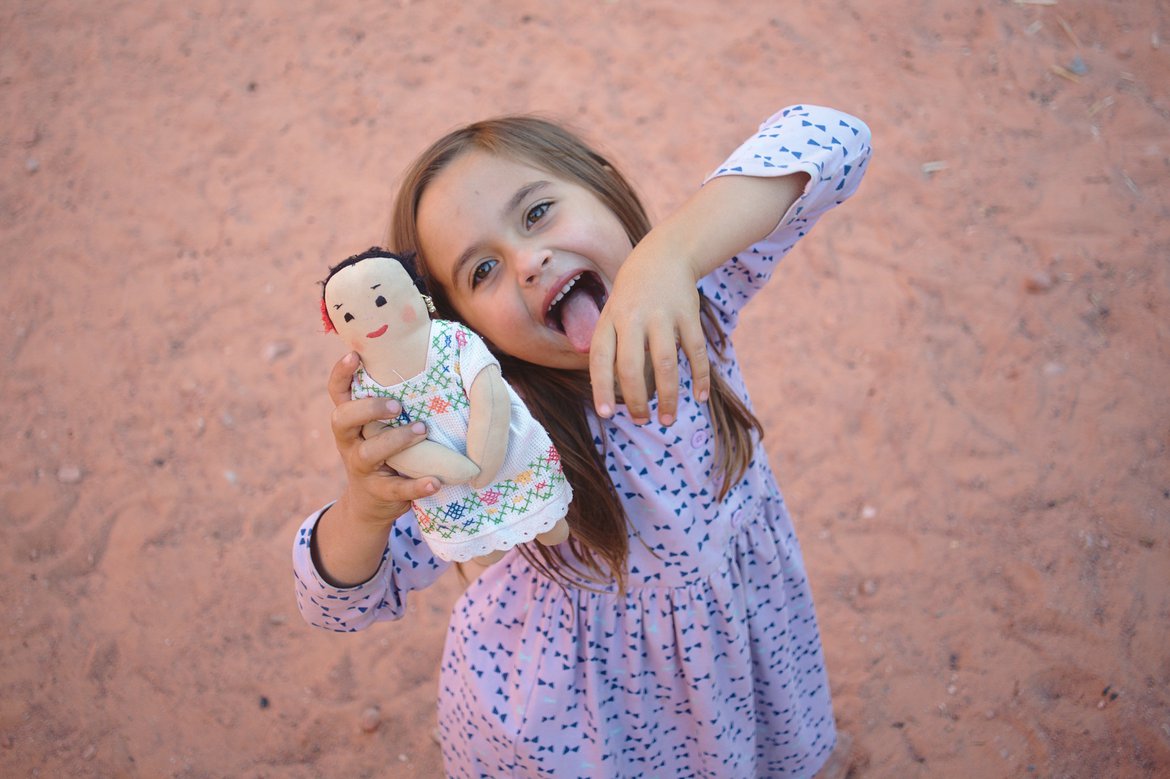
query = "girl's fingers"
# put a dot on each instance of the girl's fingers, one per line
(414, 489)
(350, 417)
(601, 356)
(631, 365)
(694, 345)
(373, 452)
(664, 357)
(341, 377)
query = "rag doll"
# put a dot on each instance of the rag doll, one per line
(501, 478)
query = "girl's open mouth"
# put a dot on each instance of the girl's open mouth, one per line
(575, 308)
(378, 332)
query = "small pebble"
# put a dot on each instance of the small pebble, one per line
(1078, 66)
(868, 587)
(231, 477)
(264, 703)
(277, 349)
(277, 619)
(69, 474)
(1040, 281)
(951, 689)
(88, 752)
(32, 165)
(403, 758)
(868, 512)
(370, 720)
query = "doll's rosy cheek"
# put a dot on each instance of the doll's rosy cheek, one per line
(409, 316)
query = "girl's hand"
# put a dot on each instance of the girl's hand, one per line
(351, 535)
(654, 304)
(376, 493)
(652, 309)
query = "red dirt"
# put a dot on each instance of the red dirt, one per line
(963, 378)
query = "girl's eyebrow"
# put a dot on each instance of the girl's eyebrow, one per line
(518, 197)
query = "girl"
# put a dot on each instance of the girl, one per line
(673, 634)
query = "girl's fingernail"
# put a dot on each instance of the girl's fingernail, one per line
(703, 396)
(392, 406)
(418, 428)
(432, 487)
(666, 420)
(604, 410)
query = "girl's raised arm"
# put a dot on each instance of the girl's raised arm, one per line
(803, 161)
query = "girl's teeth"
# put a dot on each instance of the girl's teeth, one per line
(564, 290)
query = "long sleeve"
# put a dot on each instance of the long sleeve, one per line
(407, 564)
(832, 148)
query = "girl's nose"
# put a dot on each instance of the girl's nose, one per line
(533, 265)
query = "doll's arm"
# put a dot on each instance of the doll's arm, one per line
(428, 458)
(487, 425)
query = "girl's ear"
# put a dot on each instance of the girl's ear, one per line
(325, 320)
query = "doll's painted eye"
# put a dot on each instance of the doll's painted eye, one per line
(379, 301)
(349, 317)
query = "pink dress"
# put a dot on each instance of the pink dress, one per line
(710, 665)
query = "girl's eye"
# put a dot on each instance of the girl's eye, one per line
(481, 272)
(348, 317)
(536, 213)
(380, 301)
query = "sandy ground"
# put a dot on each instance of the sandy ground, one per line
(963, 373)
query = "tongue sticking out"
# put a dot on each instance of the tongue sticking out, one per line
(579, 314)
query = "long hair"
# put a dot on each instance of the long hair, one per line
(599, 537)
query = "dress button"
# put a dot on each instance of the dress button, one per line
(737, 519)
(699, 439)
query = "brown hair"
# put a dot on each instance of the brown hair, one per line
(599, 535)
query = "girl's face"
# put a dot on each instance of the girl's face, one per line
(525, 257)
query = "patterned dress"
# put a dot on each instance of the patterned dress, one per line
(710, 665)
(530, 493)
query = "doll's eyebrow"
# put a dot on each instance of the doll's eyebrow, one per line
(336, 306)
(376, 285)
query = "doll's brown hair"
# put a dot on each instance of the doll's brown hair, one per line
(599, 536)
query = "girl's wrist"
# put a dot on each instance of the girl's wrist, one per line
(347, 546)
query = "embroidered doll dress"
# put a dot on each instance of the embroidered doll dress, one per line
(710, 664)
(530, 493)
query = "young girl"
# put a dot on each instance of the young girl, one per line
(673, 634)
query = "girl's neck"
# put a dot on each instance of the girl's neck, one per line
(406, 359)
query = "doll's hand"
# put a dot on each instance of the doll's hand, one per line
(652, 308)
(374, 492)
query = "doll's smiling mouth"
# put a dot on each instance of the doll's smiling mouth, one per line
(575, 307)
(378, 332)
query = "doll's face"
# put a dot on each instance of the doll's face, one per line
(374, 303)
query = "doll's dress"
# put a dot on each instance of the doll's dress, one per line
(530, 493)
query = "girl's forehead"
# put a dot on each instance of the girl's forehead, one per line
(477, 169)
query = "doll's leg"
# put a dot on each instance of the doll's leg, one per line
(489, 558)
(558, 534)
